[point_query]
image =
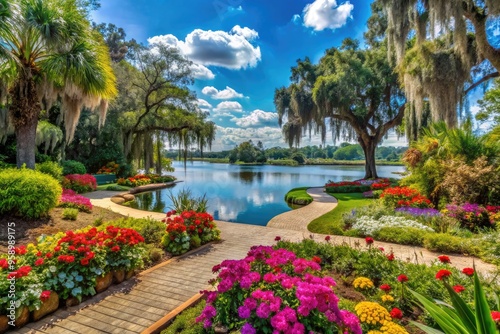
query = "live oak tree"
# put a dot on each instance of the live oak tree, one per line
(442, 51)
(49, 53)
(354, 93)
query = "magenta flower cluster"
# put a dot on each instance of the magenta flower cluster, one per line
(275, 291)
(471, 216)
(70, 199)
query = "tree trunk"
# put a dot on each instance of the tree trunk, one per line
(369, 150)
(24, 110)
(158, 154)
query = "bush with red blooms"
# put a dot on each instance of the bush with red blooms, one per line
(346, 187)
(81, 183)
(188, 230)
(397, 197)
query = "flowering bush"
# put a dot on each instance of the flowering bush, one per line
(121, 248)
(418, 212)
(135, 181)
(70, 199)
(346, 187)
(470, 216)
(275, 291)
(110, 168)
(188, 230)
(397, 197)
(375, 316)
(368, 225)
(80, 183)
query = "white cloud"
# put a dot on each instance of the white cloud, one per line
(228, 106)
(325, 14)
(296, 19)
(246, 32)
(202, 72)
(225, 94)
(203, 104)
(257, 118)
(232, 50)
(228, 137)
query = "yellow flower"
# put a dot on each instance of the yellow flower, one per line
(372, 313)
(374, 332)
(362, 283)
(387, 298)
(389, 327)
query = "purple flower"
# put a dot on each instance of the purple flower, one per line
(248, 329)
(244, 312)
(428, 212)
(351, 321)
(263, 311)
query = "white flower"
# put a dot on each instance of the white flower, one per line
(369, 225)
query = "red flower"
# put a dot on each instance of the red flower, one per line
(381, 249)
(84, 262)
(115, 249)
(495, 315)
(468, 271)
(444, 259)
(57, 248)
(369, 240)
(396, 313)
(443, 273)
(48, 255)
(39, 262)
(21, 272)
(458, 288)
(316, 259)
(45, 295)
(390, 256)
(403, 278)
(21, 250)
(385, 287)
(327, 238)
(4, 264)
(278, 238)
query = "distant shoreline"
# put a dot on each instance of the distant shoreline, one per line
(314, 162)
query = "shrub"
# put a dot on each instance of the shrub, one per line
(135, 181)
(70, 214)
(73, 167)
(397, 197)
(117, 188)
(70, 199)
(80, 183)
(185, 201)
(150, 229)
(401, 235)
(27, 193)
(346, 187)
(50, 168)
(110, 168)
(369, 225)
(446, 243)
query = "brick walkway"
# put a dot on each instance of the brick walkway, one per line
(134, 305)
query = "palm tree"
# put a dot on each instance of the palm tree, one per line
(49, 53)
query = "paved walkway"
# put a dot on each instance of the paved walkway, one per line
(298, 219)
(136, 304)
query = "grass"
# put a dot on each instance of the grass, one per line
(298, 196)
(331, 222)
(112, 187)
(185, 323)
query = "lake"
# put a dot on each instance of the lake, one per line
(249, 194)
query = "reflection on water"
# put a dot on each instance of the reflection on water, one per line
(249, 194)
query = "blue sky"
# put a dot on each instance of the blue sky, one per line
(242, 51)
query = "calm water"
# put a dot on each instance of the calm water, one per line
(249, 194)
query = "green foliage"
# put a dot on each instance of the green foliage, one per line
(151, 230)
(446, 243)
(331, 222)
(350, 152)
(347, 189)
(70, 214)
(114, 187)
(185, 201)
(299, 157)
(50, 168)
(283, 162)
(73, 167)
(298, 196)
(247, 152)
(27, 193)
(185, 323)
(399, 235)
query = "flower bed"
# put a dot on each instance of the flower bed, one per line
(346, 187)
(369, 225)
(80, 183)
(142, 180)
(473, 216)
(70, 199)
(188, 230)
(397, 197)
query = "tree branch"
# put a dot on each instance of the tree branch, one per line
(161, 128)
(483, 79)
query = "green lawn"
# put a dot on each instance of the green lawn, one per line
(298, 196)
(331, 222)
(113, 187)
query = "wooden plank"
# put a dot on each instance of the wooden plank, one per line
(130, 311)
(167, 286)
(72, 326)
(136, 319)
(124, 302)
(152, 290)
(110, 322)
(146, 299)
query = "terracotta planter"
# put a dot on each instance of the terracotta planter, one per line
(48, 306)
(71, 301)
(130, 274)
(118, 276)
(4, 323)
(22, 317)
(103, 282)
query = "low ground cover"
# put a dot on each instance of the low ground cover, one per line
(374, 293)
(298, 196)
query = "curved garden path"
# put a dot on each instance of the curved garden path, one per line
(137, 304)
(298, 219)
